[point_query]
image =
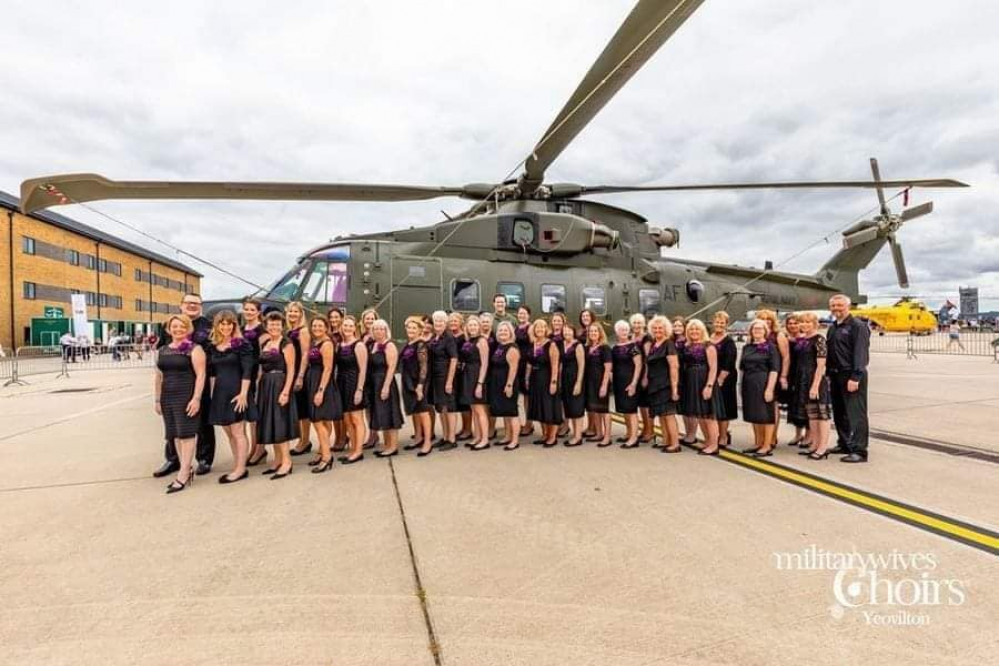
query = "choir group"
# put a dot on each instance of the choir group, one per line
(285, 375)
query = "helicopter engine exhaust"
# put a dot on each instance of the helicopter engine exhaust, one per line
(665, 237)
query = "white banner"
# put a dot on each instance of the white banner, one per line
(80, 324)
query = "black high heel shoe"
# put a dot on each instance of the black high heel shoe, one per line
(253, 463)
(323, 466)
(176, 485)
(318, 460)
(269, 470)
(632, 445)
(225, 478)
(302, 452)
(347, 460)
(818, 456)
(425, 452)
(281, 475)
(383, 454)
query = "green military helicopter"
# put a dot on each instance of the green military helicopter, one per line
(538, 243)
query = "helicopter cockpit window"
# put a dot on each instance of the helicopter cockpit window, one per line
(649, 302)
(594, 298)
(465, 295)
(287, 288)
(514, 292)
(523, 232)
(695, 290)
(552, 298)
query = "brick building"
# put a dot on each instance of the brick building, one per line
(47, 257)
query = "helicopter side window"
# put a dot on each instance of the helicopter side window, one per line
(465, 295)
(514, 292)
(649, 302)
(287, 289)
(552, 298)
(595, 299)
(695, 290)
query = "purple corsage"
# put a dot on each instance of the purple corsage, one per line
(409, 352)
(315, 354)
(294, 333)
(251, 334)
(200, 336)
(696, 350)
(762, 347)
(185, 346)
(271, 352)
(236, 344)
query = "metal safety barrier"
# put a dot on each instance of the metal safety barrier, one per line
(62, 360)
(973, 343)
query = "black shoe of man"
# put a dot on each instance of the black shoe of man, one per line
(854, 458)
(168, 467)
(203, 468)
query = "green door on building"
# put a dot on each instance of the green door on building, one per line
(46, 331)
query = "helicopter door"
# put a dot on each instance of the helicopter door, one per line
(416, 288)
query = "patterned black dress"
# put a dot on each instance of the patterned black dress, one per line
(347, 375)
(623, 355)
(176, 391)
(695, 377)
(229, 368)
(499, 366)
(642, 393)
(415, 364)
(728, 360)
(330, 409)
(574, 406)
(442, 350)
(459, 376)
(385, 414)
(757, 362)
(542, 406)
(796, 413)
(596, 358)
(276, 424)
(660, 388)
(809, 351)
(252, 335)
(469, 364)
(522, 337)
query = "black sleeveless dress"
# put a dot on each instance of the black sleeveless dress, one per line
(757, 362)
(276, 424)
(596, 357)
(300, 397)
(415, 364)
(623, 356)
(522, 337)
(695, 377)
(796, 413)
(230, 368)
(442, 350)
(176, 391)
(642, 393)
(728, 356)
(347, 375)
(574, 406)
(542, 406)
(459, 376)
(330, 409)
(469, 364)
(383, 414)
(499, 367)
(680, 342)
(660, 386)
(252, 336)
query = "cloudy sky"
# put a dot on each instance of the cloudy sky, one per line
(449, 92)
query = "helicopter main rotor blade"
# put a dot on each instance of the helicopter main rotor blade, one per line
(647, 27)
(569, 190)
(38, 193)
(899, 259)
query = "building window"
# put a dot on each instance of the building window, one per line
(102, 265)
(138, 275)
(115, 302)
(138, 305)
(73, 257)
(514, 292)
(27, 245)
(115, 268)
(29, 290)
(648, 302)
(90, 261)
(91, 298)
(552, 298)
(595, 299)
(102, 300)
(465, 295)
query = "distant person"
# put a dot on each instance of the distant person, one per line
(542, 378)
(662, 381)
(954, 336)
(414, 366)
(324, 407)
(277, 423)
(849, 342)
(499, 311)
(230, 372)
(812, 381)
(68, 344)
(760, 366)
(627, 371)
(503, 390)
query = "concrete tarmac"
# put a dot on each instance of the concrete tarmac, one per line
(536, 556)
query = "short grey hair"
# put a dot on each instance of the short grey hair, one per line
(842, 297)
(440, 315)
(622, 325)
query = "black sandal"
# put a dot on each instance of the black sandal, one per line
(323, 466)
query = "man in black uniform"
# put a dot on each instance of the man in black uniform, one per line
(190, 305)
(849, 342)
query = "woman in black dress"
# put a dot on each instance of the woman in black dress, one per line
(386, 411)
(728, 375)
(368, 318)
(811, 378)
(598, 372)
(543, 402)
(488, 322)
(230, 371)
(640, 335)
(503, 372)
(680, 341)
(796, 399)
(662, 381)
(760, 366)
(473, 357)
(298, 333)
(558, 325)
(180, 381)
(415, 370)
(352, 380)
(335, 318)
(586, 317)
(278, 422)
(456, 327)
(443, 371)
(699, 398)
(627, 360)
(780, 339)
(253, 332)
(573, 372)
(320, 385)
(522, 334)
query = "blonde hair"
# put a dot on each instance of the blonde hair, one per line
(456, 316)
(535, 324)
(414, 319)
(182, 318)
(505, 324)
(638, 316)
(809, 317)
(474, 318)
(721, 314)
(602, 340)
(295, 304)
(697, 324)
(769, 317)
(660, 320)
(229, 316)
(364, 329)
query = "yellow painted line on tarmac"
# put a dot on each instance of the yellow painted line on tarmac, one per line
(956, 530)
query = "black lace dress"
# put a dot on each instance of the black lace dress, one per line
(597, 356)
(499, 367)
(442, 351)
(415, 371)
(330, 408)
(277, 424)
(542, 405)
(229, 368)
(808, 352)
(347, 376)
(757, 362)
(623, 357)
(176, 391)
(574, 406)
(384, 413)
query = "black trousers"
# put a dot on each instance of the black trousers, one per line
(206, 438)
(850, 413)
